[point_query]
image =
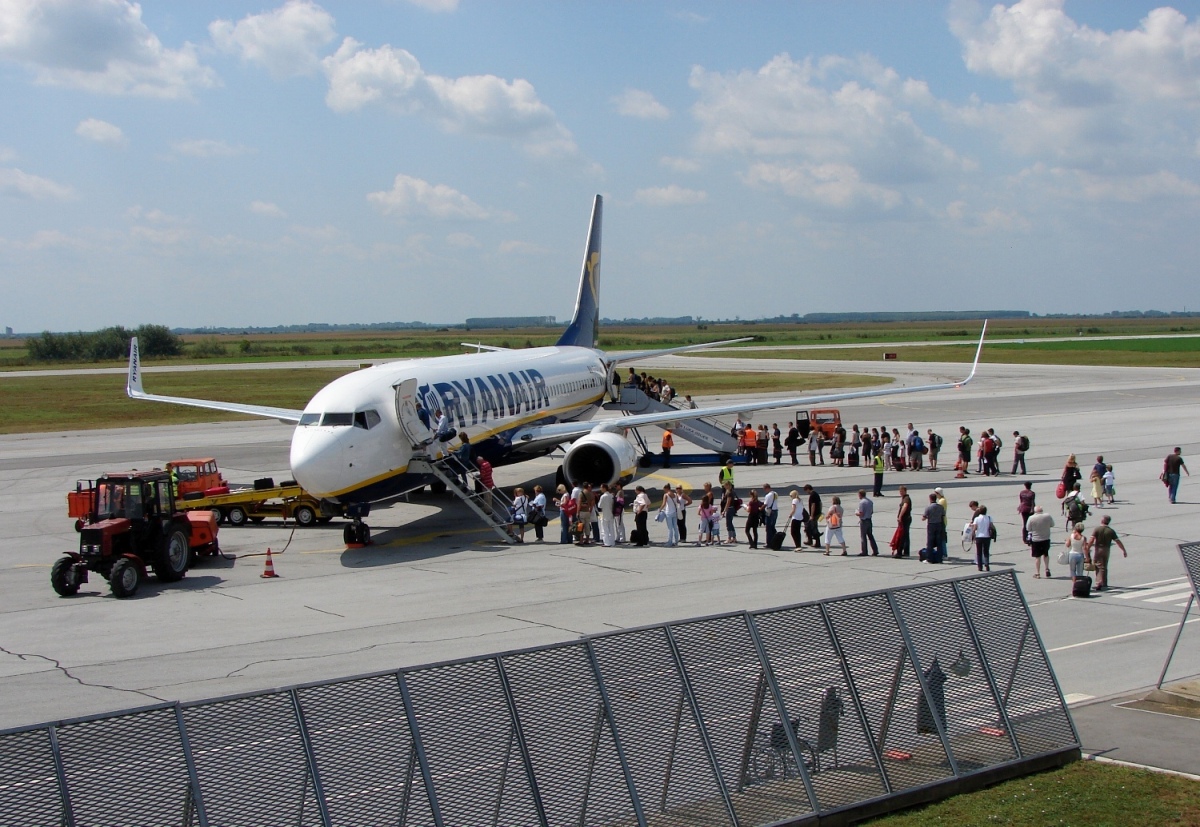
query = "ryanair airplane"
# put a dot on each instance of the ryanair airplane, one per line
(354, 441)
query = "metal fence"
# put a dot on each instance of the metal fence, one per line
(785, 716)
(1190, 554)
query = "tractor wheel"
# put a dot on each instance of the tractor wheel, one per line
(305, 515)
(237, 515)
(125, 577)
(174, 555)
(63, 576)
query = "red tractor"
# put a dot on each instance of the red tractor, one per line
(131, 524)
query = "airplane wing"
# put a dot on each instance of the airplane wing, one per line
(566, 431)
(133, 387)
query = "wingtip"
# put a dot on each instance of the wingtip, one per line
(133, 381)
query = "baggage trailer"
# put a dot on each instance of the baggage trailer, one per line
(201, 486)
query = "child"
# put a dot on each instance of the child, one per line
(1110, 483)
(705, 513)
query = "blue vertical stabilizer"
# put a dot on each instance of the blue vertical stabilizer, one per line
(585, 324)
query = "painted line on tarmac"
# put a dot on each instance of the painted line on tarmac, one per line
(1118, 637)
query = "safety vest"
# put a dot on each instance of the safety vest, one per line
(726, 475)
(878, 463)
(668, 441)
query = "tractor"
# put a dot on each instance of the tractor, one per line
(131, 523)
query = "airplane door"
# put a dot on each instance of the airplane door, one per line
(411, 424)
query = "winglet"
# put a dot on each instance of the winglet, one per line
(133, 384)
(978, 351)
(585, 324)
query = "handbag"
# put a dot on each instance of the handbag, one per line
(1060, 491)
(660, 517)
(1064, 556)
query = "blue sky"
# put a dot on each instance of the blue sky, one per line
(237, 164)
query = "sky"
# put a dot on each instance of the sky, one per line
(239, 164)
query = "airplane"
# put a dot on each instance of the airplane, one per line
(356, 438)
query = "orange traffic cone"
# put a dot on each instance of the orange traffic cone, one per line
(960, 469)
(269, 569)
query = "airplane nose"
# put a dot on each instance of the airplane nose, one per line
(313, 464)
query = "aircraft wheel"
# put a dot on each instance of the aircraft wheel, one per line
(348, 534)
(125, 577)
(63, 576)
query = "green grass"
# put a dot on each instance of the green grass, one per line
(1085, 793)
(67, 403)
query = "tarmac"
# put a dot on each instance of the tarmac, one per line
(1155, 729)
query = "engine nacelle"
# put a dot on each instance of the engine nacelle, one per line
(600, 457)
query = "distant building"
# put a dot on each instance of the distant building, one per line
(511, 321)
(8, 333)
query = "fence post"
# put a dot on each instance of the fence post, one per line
(310, 758)
(419, 746)
(197, 798)
(987, 669)
(612, 727)
(64, 794)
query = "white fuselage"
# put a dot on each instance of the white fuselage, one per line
(351, 444)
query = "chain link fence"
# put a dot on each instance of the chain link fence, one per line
(848, 706)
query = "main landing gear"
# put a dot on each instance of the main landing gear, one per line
(356, 533)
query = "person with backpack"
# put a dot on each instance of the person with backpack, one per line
(987, 448)
(1074, 507)
(964, 449)
(992, 460)
(1020, 446)
(933, 443)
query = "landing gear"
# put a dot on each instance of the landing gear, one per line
(356, 533)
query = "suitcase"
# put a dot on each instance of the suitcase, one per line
(852, 458)
(776, 543)
(1082, 587)
(639, 538)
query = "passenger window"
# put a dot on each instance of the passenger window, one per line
(338, 419)
(310, 419)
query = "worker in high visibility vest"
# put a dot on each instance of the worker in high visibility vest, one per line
(879, 465)
(668, 442)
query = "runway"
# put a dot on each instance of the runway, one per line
(436, 585)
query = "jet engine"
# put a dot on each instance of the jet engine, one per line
(600, 457)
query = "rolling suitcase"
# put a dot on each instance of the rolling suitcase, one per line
(776, 543)
(639, 538)
(1082, 587)
(852, 458)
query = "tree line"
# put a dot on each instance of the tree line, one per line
(108, 344)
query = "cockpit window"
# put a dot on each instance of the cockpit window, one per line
(337, 419)
(310, 419)
(366, 419)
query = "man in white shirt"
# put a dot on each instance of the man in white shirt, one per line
(770, 512)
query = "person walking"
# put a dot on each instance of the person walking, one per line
(1102, 541)
(903, 547)
(1077, 549)
(1096, 478)
(1020, 446)
(833, 526)
(1172, 465)
(670, 515)
(1070, 475)
(796, 518)
(866, 525)
(1026, 501)
(730, 503)
(770, 507)
(753, 518)
(537, 513)
(1037, 527)
(984, 534)
(878, 465)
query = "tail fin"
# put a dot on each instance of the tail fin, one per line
(585, 324)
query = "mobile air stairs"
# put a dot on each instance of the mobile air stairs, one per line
(704, 432)
(490, 505)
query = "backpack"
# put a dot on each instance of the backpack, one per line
(1077, 510)
(999, 444)
(1023, 443)
(919, 444)
(936, 441)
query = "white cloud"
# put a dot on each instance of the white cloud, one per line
(680, 164)
(436, 5)
(521, 248)
(472, 104)
(100, 46)
(413, 197)
(208, 148)
(15, 183)
(286, 40)
(1086, 98)
(7, 154)
(464, 240)
(669, 196)
(267, 208)
(102, 132)
(828, 116)
(636, 103)
(831, 185)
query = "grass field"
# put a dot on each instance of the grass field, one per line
(1086, 794)
(66, 403)
(260, 347)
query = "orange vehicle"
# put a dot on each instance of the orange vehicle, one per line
(825, 420)
(197, 476)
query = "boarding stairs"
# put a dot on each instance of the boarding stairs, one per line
(702, 431)
(495, 510)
